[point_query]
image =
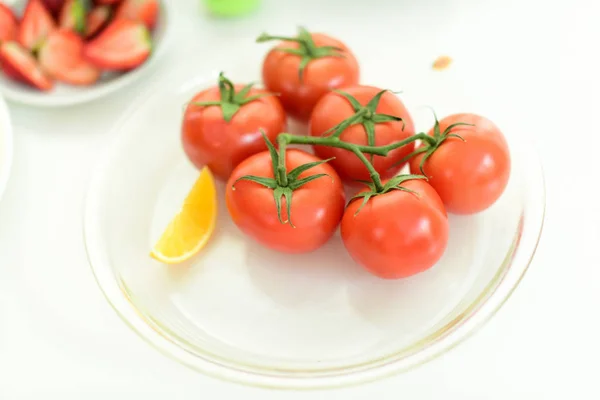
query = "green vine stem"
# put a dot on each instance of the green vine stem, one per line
(285, 139)
(284, 183)
(332, 141)
(307, 49)
(231, 101)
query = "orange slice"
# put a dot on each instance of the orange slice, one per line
(191, 228)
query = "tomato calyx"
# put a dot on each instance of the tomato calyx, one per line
(432, 143)
(284, 183)
(394, 183)
(364, 115)
(307, 50)
(231, 101)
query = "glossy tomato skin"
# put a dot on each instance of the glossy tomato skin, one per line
(397, 234)
(317, 207)
(280, 75)
(333, 108)
(208, 140)
(469, 176)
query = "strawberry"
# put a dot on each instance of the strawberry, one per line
(123, 45)
(106, 2)
(61, 56)
(97, 19)
(8, 24)
(21, 64)
(145, 11)
(36, 24)
(72, 16)
(54, 6)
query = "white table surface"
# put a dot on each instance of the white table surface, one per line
(60, 339)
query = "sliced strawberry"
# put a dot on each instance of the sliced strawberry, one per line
(72, 16)
(97, 19)
(10, 72)
(145, 11)
(21, 63)
(54, 6)
(8, 24)
(61, 56)
(35, 26)
(123, 45)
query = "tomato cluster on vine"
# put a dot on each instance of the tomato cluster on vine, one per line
(293, 201)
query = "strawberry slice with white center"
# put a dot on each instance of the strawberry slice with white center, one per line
(72, 16)
(123, 45)
(21, 64)
(36, 25)
(97, 19)
(61, 56)
(8, 24)
(145, 11)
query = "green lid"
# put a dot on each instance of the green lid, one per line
(231, 8)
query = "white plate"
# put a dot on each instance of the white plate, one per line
(6, 145)
(241, 312)
(66, 95)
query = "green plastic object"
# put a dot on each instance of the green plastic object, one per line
(231, 8)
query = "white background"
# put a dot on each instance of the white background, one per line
(60, 339)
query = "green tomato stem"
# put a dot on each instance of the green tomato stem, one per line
(375, 177)
(307, 51)
(281, 173)
(231, 101)
(331, 141)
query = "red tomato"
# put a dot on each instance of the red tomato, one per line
(281, 75)
(397, 234)
(209, 140)
(333, 108)
(469, 176)
(316, 208)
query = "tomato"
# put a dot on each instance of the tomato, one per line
(316, 207)
(399, 233)
(281, 71)
(334, 108)
(209, 139)
(468, 175)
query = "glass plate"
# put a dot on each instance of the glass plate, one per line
(247, 314)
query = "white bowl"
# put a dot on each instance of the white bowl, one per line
(244, 313)
(67, 95)
(6, 145)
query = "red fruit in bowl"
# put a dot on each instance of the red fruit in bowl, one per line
(97, 19)
(8, 24)
(145, 11)
(72, 16)
(61, 56)
(54, 6)
(22, 66)
(123, 45)
(36, 25)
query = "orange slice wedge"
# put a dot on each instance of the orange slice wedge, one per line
(191, 228)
